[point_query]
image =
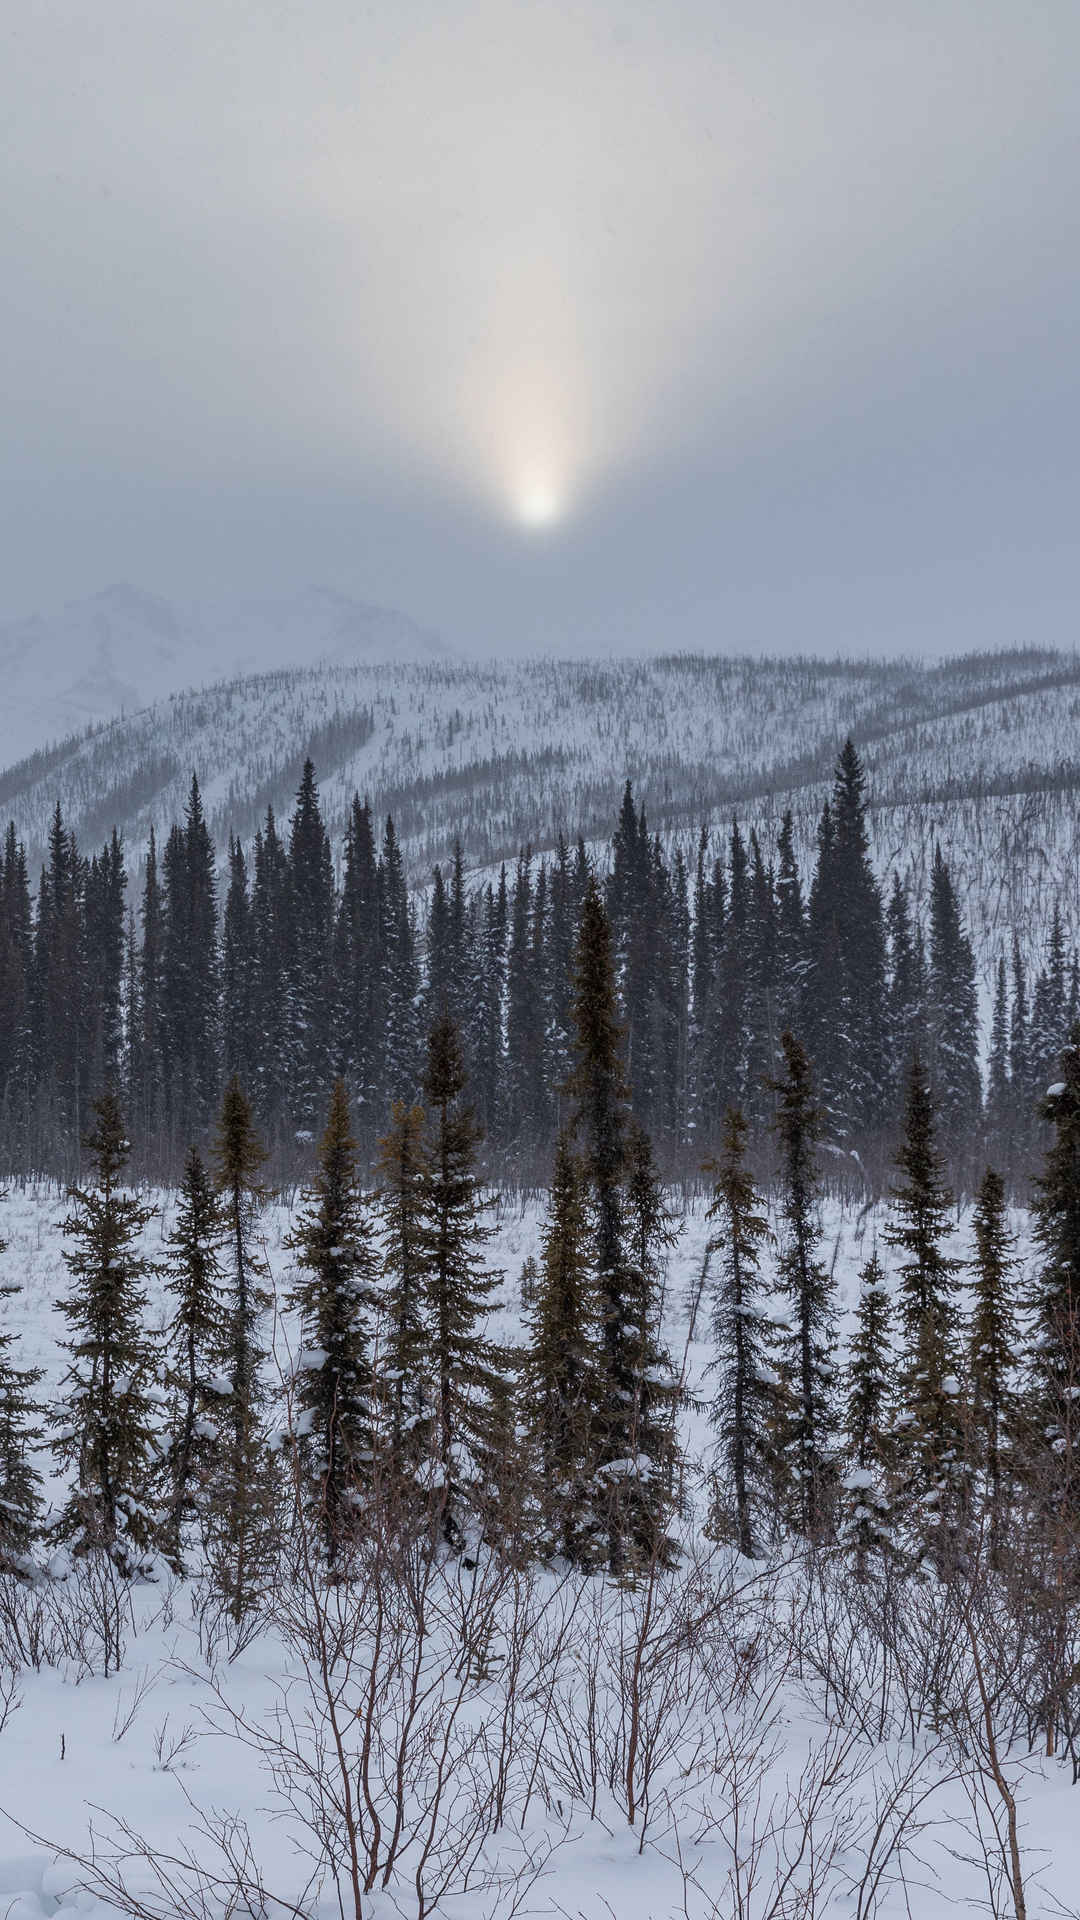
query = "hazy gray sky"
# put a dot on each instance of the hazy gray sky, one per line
(767, 313)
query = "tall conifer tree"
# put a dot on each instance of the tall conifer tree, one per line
(743, 1407)
(242, 1504)
(866, 1508)
(929, 1431)
(198, 1347)
(335, 1299)
(466, 1364)
(808, 1439)
(105, 1426)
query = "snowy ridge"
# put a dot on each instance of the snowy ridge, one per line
(978, 752)
(122, 649)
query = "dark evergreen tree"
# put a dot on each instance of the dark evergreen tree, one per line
(239, 1019)
(928, 1434)
(524, 1111)
(724, 1055)
(16, 991)
(561, 1370)
(1055, 1298)
(1021, 1082)
(791, 956)
(359, 1043)
(198, 1346)
(466, 1365)
(906, 991)
(743, 1407)
(561, 938)
(761, 1029)
(241, 1497)
(654, 1441)
(104, 1425)
(20, 1435)
(58, 997)
(148, 1066)
(335, 1299)
(405, 1385)
(634, 1494)
(954, 1020)
(993, 1336)
(269, 916)
(867, 1522)
(486, 1008)
(310, 927)
(998, 1090)
(103, 971)
(847, 1030)
(401, 983)
(1048, 1032)
(190, 982)
(808, 1446)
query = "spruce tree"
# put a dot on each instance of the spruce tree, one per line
(466, 1365)
(1049, 1031)
(998, 1115)
(16, 1002)
(633, 1496)
(847, 1027)
(808, 1441)
(1055, 1299)
(198, 1347)
(791, 959)
(653, 1439)
(405, 1397)
(954, 1019)
(190, 984)
(929, 1429)
(242, 1505)
(104, 1427)
(1021, 1085)
(1050, 1457)
(360, 1012)
(524, 1110)
(743, 1406)
(151, 1050)
(993, 1334)
(270, 948)
(561, 1368)
(309, 926)
(335, 1300)
(102, 1037)
(400, 981)
(906, 986)
(239, 1030)
(20, 1435)
(866, 1507)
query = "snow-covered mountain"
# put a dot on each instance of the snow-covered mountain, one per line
(979, 753)
(122, 649)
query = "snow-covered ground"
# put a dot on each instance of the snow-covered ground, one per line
(156, 1746)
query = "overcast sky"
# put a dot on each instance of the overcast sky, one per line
(743, 325)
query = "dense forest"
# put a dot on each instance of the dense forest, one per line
(307, 971)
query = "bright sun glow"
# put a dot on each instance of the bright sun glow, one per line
(538, 505)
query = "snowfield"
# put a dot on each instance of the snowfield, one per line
(756, 1793)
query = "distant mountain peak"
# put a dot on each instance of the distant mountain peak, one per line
(124, 647)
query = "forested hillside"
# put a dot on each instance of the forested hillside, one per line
(295, 968)
(979, 753)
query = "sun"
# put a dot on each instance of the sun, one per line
(538, 505)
